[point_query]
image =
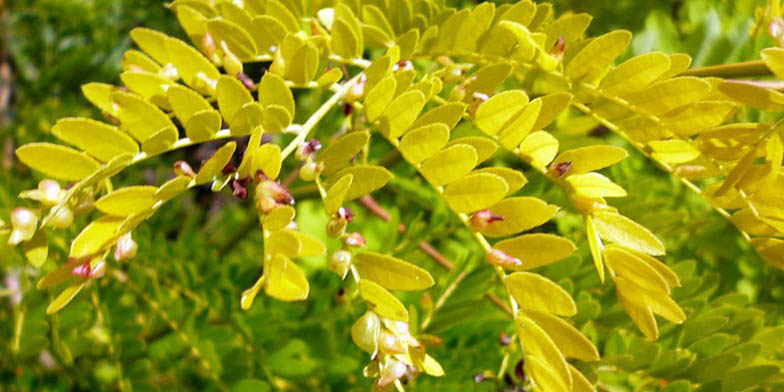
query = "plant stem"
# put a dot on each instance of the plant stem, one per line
(744, 69)
(317, 116)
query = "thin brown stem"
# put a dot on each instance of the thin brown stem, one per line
(737, 70)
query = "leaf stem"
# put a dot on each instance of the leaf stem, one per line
(743, 69)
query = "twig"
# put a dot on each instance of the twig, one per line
(744, 69)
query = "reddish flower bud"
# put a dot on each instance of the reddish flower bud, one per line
(246, 81)
(265, 204)
(98, 270)
(559, 47)
(82, 270)
(182, 168)
(519, 370)
(229, 168)
(557, 170)
(307, 149)
(402, 65)
(274, 191)
(354, 240)
(238, 189)
(500, 258)
(345, 213)
(480, 220)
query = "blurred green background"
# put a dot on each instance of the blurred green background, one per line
(174, 322)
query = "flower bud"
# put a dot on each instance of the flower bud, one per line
(558, 170)
(307, 149)
(402, 65)
(519, 370)
(585, 205)
(365, 332)
(126, 248)
(52, 193)
(24, 222)
(504, 339)
(480, 220)
(208, 46)
(340, 262)
(479, 99)
(356, 91)
(265, 204)
(558, 48)
(182, 168)
(500, 258)
(430, 340)
(98, 270)
(391, 372)
(84, 204)
(62, 218)
(452, 75)
(238, 189)
(336, 227)
(310, 170)
(776, 29)
(82, 270)
(388, 343)
(231, 63)
(354, 240)
(345, 213)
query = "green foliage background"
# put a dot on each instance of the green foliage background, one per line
(175, 322)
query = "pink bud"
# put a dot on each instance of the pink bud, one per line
(126, 248)
(24, 219)
(238, 190)
(182, 168)
(500, 258)
(340, 262)
(307, 149)
(51, 190)
(480, 220)
(354, 240)
(82, 270)
(560, 168)
(98, 270)
(62, 218)
(391, 372)
(559, 47)
(345, 213)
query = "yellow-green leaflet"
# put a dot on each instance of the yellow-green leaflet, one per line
(303, 65)
(337, 193)
(536, 250)
(774, 59)
(381, 301)
(160, 141)
(535, 292)
(624, 231)
(635, 73)
(449, 114)
(499, 109)
(248, 159)
(519, 127)
(520, 214)
(36, 249)
(391, 272)
(57, 161)
(284, 242)
(579, 382)
(373, 178)
(539, 148)
(153, 43)
(337, 154)
(193, 68)
(401, 113)
(449, 164)
(421, 143)
(771, 250)
(267, 159)
(99, 95)
(276, 119)
(597, 55)
(697, 117)
(172, 188)
(379, 98)
(594, 185)
(278, 218)
(214, 166)
(761, 98)
(596, 246)
(485, 147)
(273, 91)
(232, 95)
(626, 264)
(149, 85)
(96, 236)
(236, 38)
(541, 346)
(186, 103)
(134, 60)
(249, 117)
(475, 192)
(139, 117)
(127, 201)
(661, 97)
(660, 304)
(344, 41)
(552, 107)
(514, 179)
(638, 311)
(64, 297)
(285, 280)
(544, 376)
(569, 340)
(591, 158)
(673, 151)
